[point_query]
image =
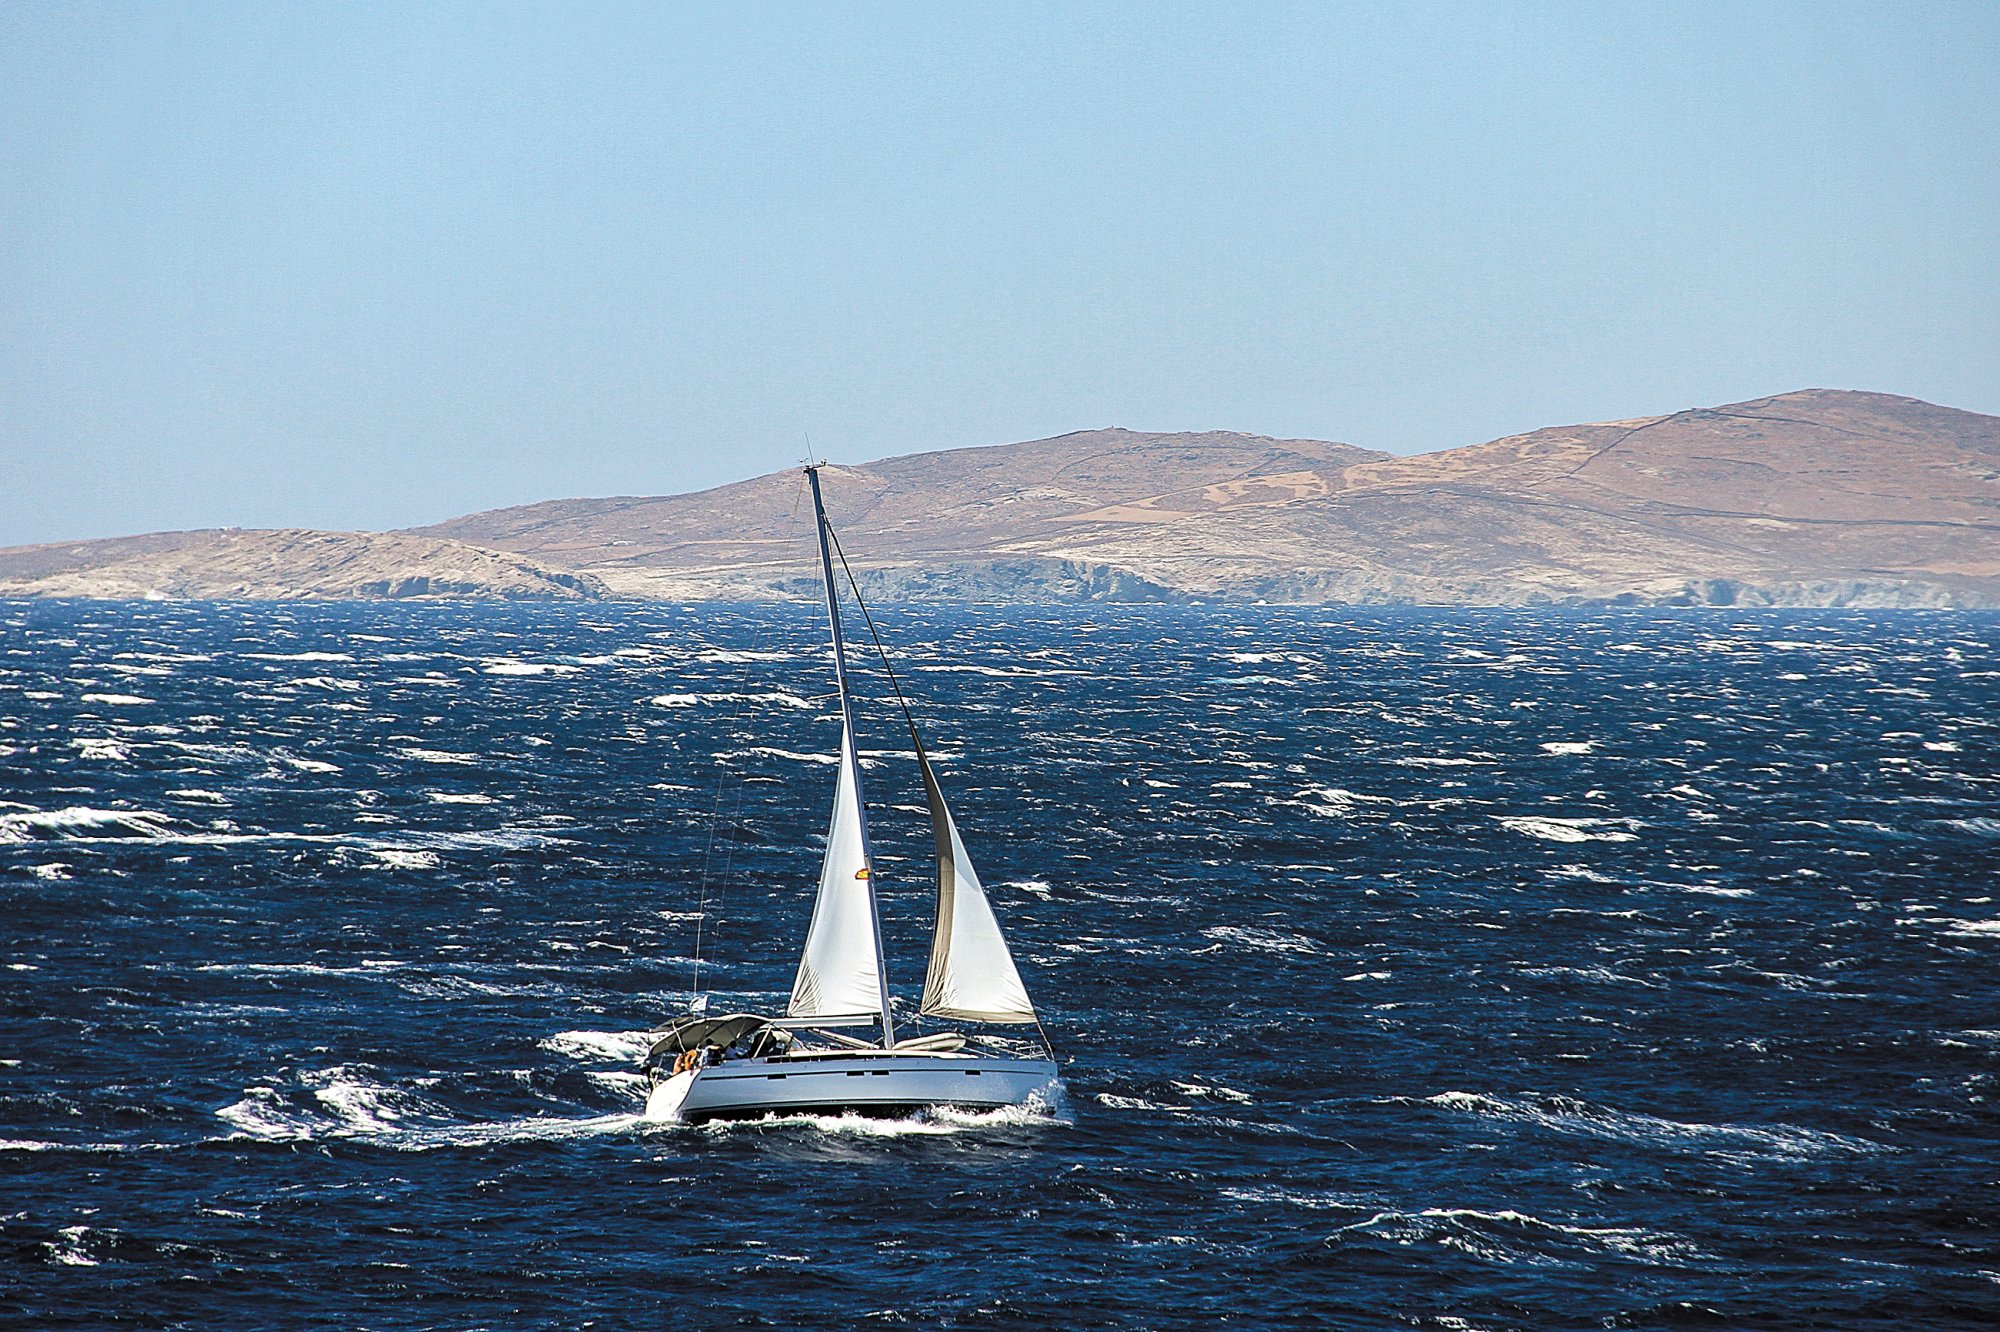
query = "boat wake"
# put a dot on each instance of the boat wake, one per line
(932, 1121)
(344, 1102)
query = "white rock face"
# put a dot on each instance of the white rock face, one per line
(283, 565)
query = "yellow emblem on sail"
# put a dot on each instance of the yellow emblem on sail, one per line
(861, 873)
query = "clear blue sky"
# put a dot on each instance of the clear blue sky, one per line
(366, 265)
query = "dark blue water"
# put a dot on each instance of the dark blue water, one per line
(1426, 969)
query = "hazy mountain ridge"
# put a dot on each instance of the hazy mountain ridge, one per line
(1820, 497)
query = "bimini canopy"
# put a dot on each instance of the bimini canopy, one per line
(691, 1033)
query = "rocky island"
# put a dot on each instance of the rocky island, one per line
(1814, 498)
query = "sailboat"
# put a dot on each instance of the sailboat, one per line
(809, 1059)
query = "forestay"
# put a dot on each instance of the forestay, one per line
(972, 976)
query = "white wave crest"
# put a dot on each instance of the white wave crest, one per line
(623, 1047)
(1563, 1114)
(769, 751)
(82, 823)
(1510, 1236)
(776, 698)
(388, 857)
(510, 666)
(724, 655)
(329, 683)
(1568, 830)
(436, 756)
(1262, 940)
(67, 1248)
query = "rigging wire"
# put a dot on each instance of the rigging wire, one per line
(903, 703)
(715, 823)
(742, 788)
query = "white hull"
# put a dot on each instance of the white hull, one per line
(867, 1084)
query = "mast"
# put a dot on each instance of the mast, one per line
(848, 756)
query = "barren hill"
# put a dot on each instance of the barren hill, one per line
(281, 565)
(1821, 497)
(958, 508)
(1816, 497)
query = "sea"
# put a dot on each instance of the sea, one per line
(1408, 968)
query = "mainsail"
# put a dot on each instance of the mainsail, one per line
(972, 976)
(840, 974)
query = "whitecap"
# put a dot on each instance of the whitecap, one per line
(329, 683)
(776, 698)
(1331, 802)
(389, 857)
(622, 1046)
(67, 1248)
(1563, 1114)
(436, 756)
(975, 670)
(1568, 830)
(1263, 940)
(722, 655)
(509, 666)
(1569, 746)
(769, 751)
(1132, 1103)
(81, 823)
(1312, 1200)
(117, 700)
(1510, 1236)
